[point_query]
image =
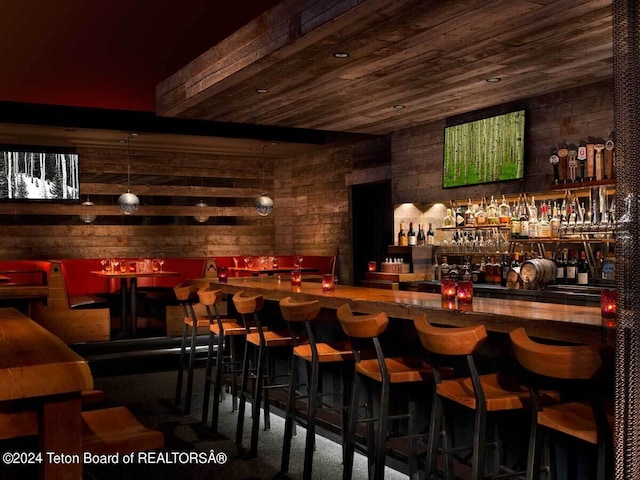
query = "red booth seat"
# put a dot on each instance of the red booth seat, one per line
(25, 272)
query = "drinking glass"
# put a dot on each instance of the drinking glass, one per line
(104, 262)
(248, 262)
(297, 261)
(115, 264)
(161, 261)
(155, 265)
(123, 265)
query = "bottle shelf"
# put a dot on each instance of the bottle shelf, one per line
(565, 240)
(469, 228)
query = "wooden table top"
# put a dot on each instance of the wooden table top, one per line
(544, 320)
(36, 363)
(135, 274)
(258, 270)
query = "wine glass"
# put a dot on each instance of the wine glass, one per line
(104, 263)
(248, 262)
(297, 261)
(115, 263)
(161, 261)
(123, 265)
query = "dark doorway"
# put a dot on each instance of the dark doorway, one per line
(372, 225)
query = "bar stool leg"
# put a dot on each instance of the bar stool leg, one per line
(243, 396)
(347, 469)
(207, 380)
(413, 450)
(290, 416)
(380, 448)
(217, 386)
(192, 357)
(257, 397)
(181, 360)
(477, 462)
(311, 420)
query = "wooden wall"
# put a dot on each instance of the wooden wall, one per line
(312, 214)
(569, 115)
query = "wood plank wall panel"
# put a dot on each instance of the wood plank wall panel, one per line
(569, 115)
(312, 215)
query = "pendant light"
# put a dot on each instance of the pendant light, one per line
(88, 217)
(264, 203)
(128, 202)
(201, 218)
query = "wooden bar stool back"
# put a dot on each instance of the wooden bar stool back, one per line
(376, 369)
(300, 316)
(459, 382)
(186, 294)
(578, 368)
(264, 340)
(225, 330)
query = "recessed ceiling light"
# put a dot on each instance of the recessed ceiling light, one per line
(399, 106)
(493, 80)
(261, 90)
(341, 55)
(273, 143)
(133, 134)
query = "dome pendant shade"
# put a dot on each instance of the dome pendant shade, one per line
(128, 203)
(88, 217)
(201, 218)
(264, 205)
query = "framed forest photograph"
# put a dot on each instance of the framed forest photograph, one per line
(483, 151)
(31, 173)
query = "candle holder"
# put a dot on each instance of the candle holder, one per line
(448, 289)
(328, 283)
(465, 292)
(372, 266)
(296, 278)
(222, 274)
(608, 308)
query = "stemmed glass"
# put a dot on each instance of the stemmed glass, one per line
(161, 261)
(248, 262)
(123, 265)
(104, 262)
(297, 261)
(115, 263)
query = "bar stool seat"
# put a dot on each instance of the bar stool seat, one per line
(300, 315)
(575, 419)
(186, 294)
(383, 372)
(265, 340)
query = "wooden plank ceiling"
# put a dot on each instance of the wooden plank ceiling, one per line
(431, 57)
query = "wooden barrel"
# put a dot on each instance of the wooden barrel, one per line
(513, 278)
(537, 271)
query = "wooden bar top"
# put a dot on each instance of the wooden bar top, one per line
(36, 363)
(571, 323)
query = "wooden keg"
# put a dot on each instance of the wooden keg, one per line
(536, 272)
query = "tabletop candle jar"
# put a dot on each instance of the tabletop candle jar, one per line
(328, 283)
(296, 278)
(448, 289)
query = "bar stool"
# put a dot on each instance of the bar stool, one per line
(484, 394)
(263, 340)
(578, 368)
(186, 294)
(363, 332)
(299, 315)
(226, 330)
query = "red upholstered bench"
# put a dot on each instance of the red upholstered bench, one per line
(25, 272)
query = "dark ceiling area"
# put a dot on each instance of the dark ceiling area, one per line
(106, 53)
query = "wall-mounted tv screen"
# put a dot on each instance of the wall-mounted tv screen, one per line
(38, 173)
(483, 151)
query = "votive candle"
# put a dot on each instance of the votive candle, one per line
(448, 289)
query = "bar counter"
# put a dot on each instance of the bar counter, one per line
(571, 323)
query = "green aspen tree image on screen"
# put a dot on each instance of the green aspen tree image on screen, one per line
(483, 151)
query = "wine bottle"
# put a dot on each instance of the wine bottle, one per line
(430, 236)
(583, 269)
(411, 236)
(561, 267)
(421, 240)
(402, 236)
(572, 268)
(515, 221)
(524, 219)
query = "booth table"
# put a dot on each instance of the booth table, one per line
(570, 323)
(37, 370)
(133, 278)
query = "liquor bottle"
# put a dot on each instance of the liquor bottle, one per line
(445, 268)
(597, 267)
(436, 268)
(533, 223)
(572, 268)
(515, 261)
(544, 227)
(459, 217)
(504, 215)
(421, 240)
(492, 212)
(466, 270)
(561, 267)
(583, 269)
(524, 219)
(481, 215)
(515, 221)
(402, 237)
(448, 221)
(430, 236)
(554, 223)
(469, 216)
(505, 269)
(411, 236)
(609, 267)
